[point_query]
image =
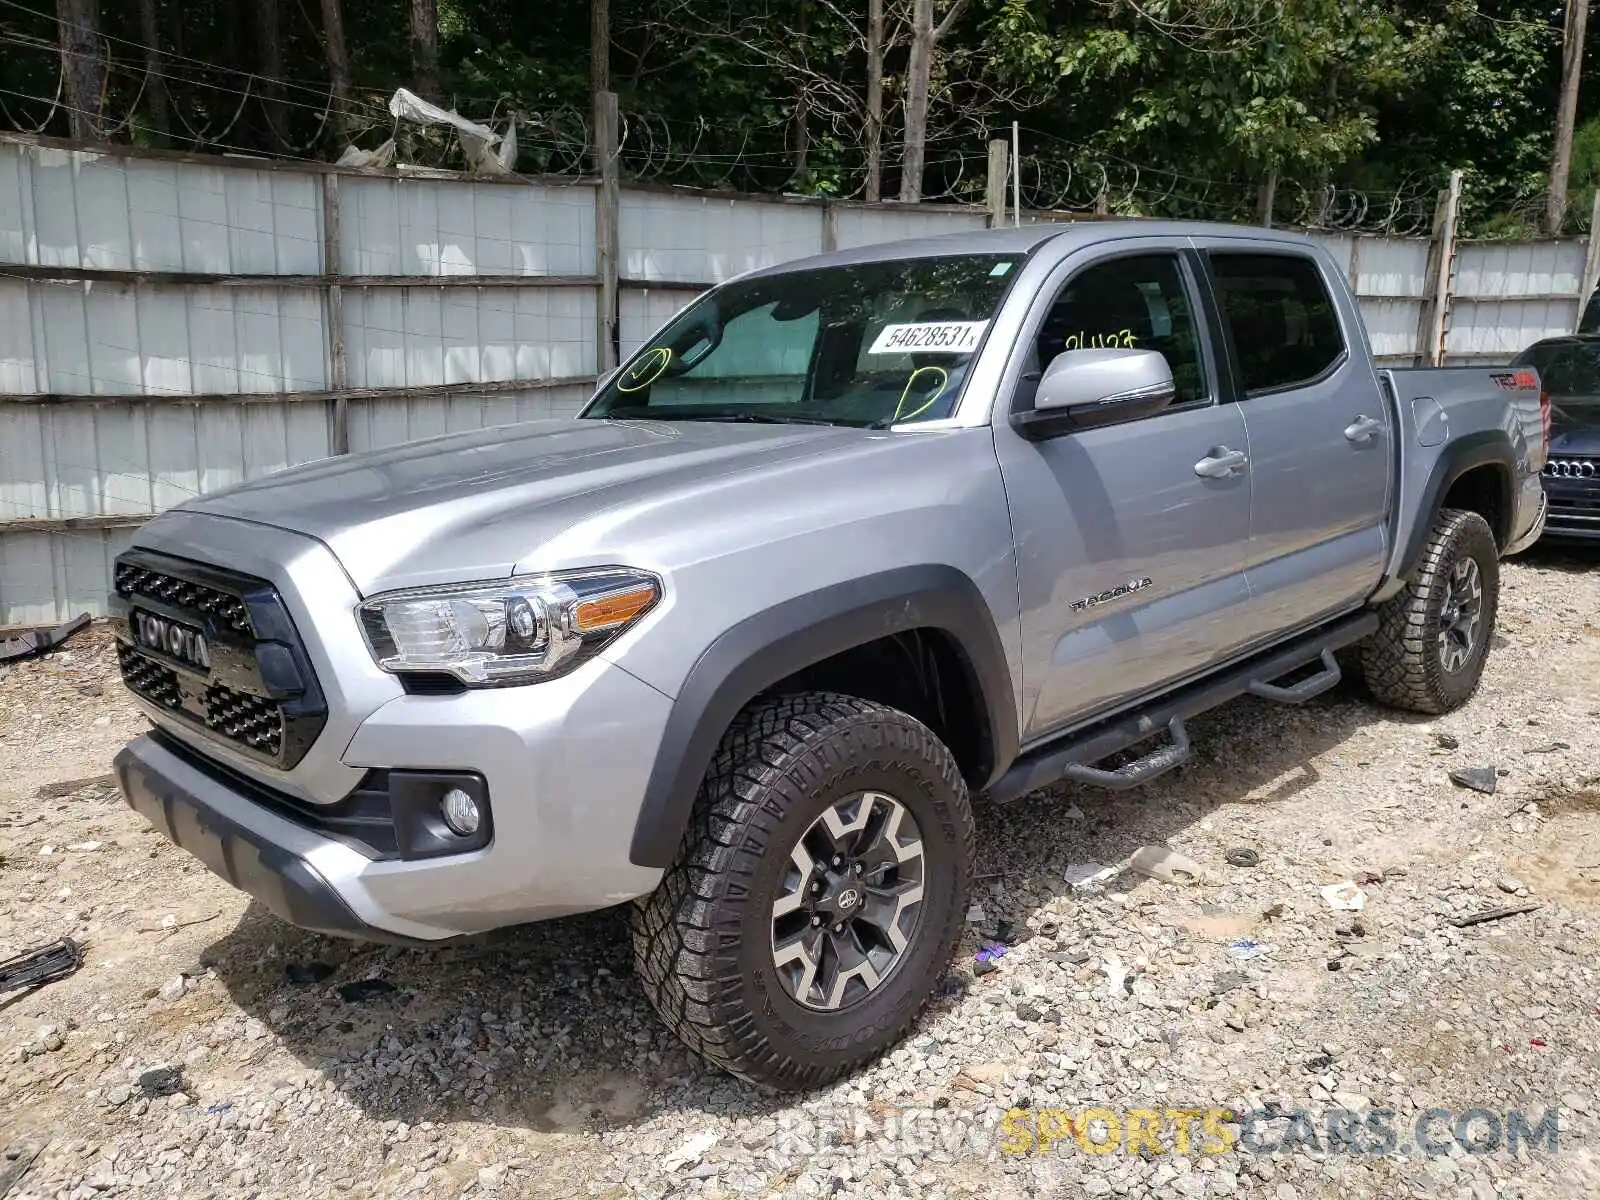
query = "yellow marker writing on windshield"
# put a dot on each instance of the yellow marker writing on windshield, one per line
(647, 370)
(943, 382)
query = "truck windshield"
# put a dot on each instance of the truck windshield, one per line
(873, 344)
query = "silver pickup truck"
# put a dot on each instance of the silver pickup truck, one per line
(850, 545)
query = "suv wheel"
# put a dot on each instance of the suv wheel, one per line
(818, 895)
(1433, 637)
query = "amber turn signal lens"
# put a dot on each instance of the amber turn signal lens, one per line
(607, 612)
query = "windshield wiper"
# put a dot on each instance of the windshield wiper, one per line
(649, 413)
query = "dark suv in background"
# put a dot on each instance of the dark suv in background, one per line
(1569, 368)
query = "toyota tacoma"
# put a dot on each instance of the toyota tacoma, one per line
(849, 545)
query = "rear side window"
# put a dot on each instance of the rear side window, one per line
(1281, 315)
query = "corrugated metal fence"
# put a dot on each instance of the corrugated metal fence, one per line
(171, 324)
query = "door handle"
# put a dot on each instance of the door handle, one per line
(1221, 463)
(1362, 429)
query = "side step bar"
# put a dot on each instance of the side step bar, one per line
(1072, 755)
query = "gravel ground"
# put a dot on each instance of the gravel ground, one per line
(205, 1049)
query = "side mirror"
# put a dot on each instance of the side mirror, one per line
(1082, 389)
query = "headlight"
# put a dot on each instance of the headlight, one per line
(518, 631)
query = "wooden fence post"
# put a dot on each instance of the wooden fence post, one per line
(607, 219)
(333, 313)
(995, 192)
(1433, 320)
(830, 226)
(1591, 262)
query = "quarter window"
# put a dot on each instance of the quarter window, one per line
(1281, 316)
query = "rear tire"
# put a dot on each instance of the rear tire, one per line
(1433, 636)
(737, 948)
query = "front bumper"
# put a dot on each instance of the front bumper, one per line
(260, 854)
(565, 764)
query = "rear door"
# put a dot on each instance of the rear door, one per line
(1130, 561)
(1321, 435)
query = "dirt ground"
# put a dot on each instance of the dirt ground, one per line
(205, 1049)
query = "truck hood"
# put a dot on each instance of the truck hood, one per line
(471, 506)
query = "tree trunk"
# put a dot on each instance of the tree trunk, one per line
(78, 31)
(874, 101)
(1266, 198)
(269, 51)
(599, 66)
(425, 48)
(338, 57)
(1566, 114)
(155, 81)
(918, 73)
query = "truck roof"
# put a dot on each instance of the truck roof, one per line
(1023, 239)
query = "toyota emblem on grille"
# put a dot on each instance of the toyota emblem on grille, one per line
(172, 639)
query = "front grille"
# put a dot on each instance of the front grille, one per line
(182, 593)
(253, 721)
(237, 671)
(1572, 468)
(149, 678)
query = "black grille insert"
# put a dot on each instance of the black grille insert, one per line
(243, 678)
(184, 594)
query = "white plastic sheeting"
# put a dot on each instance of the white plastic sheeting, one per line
(111, 457)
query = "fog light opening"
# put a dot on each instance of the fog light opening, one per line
(460, 812)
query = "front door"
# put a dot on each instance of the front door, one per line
(1131, 537)
(1321, 436)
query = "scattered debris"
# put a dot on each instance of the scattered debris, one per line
(1479, 779)
(1119, 980)
(360, 991)
(171, 922)
(691, 1151)
(1087, 874)
(171, 990)
(83, 847)
(976, 915)
(1166, 865)
(41, 640)
(1005, 931)
(1275, 909)
(1447, 741)
(1049, 929)
(1345, 896)
(218, 1108)
(1243, 856)
(1246, 948)
(1367, 878)
(1493, 914)
(1552, 748)
(1510, 884)
(37, 967)
(161, 1081)
(1227, 981)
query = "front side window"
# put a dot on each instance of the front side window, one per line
(1277, 307)
(873, 344)
(1139, 302)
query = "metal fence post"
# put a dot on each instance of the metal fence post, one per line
(333, 310)
(607, 219)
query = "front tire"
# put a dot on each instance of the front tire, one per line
(1433, 636)
(818, 894)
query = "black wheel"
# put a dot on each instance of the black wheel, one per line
(1433, 637)
(818, 894)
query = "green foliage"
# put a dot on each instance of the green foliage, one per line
(1190, 103)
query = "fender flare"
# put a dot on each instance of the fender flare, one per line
(773, 644)
(1488, 447)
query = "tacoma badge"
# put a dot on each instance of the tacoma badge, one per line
(1124, 589)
